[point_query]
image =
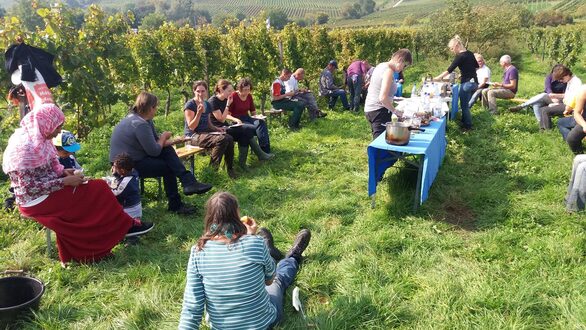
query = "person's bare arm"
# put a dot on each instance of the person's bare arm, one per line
(579, 109)
(383, 97)
(441, 76)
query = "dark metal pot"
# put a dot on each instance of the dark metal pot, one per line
(399, 133)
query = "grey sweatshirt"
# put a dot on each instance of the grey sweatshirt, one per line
(136, 137)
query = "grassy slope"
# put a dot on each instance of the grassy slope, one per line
(491, 248)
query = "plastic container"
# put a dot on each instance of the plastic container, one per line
(18, 296)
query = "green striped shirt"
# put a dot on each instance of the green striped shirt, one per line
(229, 280)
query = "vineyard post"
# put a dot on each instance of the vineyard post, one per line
(280, 52)
(168, 104)
(543, 47)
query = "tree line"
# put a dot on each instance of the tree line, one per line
(104, 61)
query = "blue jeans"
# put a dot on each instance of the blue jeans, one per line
(285, 275)
(355, 87)
(572, 133)
(565, 125)
(399, 92)
(465, 93)
(262, 132)
(334, 97)
(475, 97)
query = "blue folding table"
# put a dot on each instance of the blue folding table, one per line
(425, 150)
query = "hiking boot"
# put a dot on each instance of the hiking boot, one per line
(197, 188)
(139, 228)
(300, 244)
(516, 108)
(232, 174)
(321, 114)
(185, 210)
(268, 237)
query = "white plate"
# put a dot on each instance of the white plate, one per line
(236, 125)
(261, 117)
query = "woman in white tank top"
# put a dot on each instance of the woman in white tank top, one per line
(378, 105)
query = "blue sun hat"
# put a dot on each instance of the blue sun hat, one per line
(67, 141)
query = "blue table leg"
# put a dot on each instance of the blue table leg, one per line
(418, 186)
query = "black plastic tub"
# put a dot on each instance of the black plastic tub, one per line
(18, 296)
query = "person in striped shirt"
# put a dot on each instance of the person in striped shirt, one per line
(231, 272)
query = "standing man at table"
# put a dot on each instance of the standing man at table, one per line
(381, 90)
(467, 64)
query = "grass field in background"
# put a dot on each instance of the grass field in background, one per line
(491, 248)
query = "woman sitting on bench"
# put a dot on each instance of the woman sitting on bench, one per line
(153, 154)
(241, 132)
(197, 112)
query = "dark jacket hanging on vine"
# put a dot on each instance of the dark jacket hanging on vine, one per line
(32, 58)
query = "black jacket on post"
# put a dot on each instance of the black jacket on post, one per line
(32, 58)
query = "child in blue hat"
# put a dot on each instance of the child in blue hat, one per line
(67, 146)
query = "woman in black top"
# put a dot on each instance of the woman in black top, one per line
(467, 64)
(243, 133)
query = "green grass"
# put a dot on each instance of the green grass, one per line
(492, 247)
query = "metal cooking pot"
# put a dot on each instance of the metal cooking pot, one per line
(399, 133)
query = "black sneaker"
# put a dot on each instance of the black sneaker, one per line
(139, 228)
(300, 244)
(185, 210)
(268, 237)
(9, 203)
(197, 188)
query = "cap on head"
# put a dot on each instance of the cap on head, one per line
(67, 141)
(333, 63)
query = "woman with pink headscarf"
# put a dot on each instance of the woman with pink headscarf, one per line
(85, 215)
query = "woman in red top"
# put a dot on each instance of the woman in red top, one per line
(243, 109)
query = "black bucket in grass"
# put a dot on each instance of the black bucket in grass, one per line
(18, 296)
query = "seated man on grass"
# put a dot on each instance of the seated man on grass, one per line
(281, 99)
(505, 90)
(303, 95)
(327, 87)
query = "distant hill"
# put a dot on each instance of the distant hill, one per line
(386, 12)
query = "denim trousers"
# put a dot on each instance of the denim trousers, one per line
(565, 125)
(465, 93)
(334, 98)
(285, 275)
(262, 131)
(355, 86)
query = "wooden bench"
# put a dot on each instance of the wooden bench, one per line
(184, 153)
(518, 100)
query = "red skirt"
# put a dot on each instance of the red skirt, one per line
(88, 223)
